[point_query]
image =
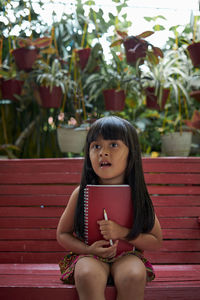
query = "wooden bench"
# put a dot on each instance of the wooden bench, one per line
(33, 195)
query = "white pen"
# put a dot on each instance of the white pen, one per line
(106, 218)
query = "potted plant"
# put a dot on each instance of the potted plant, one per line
(11, 82)
(71, 136)
(88, 58)
(191, 37)
(137, 48)
(27, 52)
(52, 82)
(112, 81)
(170, 75)
(176, 138)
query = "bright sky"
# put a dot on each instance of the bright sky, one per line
(176, 12)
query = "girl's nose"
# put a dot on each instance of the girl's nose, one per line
(104, 152)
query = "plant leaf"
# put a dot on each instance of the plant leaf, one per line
(145, 34)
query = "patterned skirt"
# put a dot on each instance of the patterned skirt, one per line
(67, 265)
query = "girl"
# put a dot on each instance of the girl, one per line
(112, 156)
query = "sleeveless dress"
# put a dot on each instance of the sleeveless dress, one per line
(67, 265)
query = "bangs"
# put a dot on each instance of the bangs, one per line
(110, 128)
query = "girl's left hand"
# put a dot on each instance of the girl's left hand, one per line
(111, 230)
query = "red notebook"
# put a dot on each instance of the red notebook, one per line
(116, 200)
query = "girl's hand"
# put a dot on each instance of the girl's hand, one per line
(102, 249)
(111, 230)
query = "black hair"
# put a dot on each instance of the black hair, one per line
(115, 128)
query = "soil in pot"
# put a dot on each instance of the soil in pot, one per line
(114, 100)
(176, 143)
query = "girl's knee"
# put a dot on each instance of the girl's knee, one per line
(131, 278)
(131, 275)
(84, 275)
(89, 273)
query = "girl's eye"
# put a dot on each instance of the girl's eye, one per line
(114, 145)
(95, 146)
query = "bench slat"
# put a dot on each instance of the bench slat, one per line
(36, 222)
(45, 245)
(60, 200)
(36, 189)
(44, 211)
(44, 178)
(40, 234)
(55, 257)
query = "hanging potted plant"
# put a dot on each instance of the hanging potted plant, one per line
(28, 50)
(11, 82)
(170, 74)
(52, 82)
(88, 58)
(136, 47)
(193, 42)
(83, 56)
(112, 81)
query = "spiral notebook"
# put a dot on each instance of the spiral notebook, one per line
(116, 200)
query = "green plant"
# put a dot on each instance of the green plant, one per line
(11, 72)
(152, 52)
(52, 75)
(172, 71)
(114, 75)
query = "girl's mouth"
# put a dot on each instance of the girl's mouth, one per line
(105, 164)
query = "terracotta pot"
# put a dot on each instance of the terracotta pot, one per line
(83, 55)
(25, 58)
(176, 143)
(11, 87)
(195, 95)
(194, 52)
(50, 98)
(114, 100)
(71, 139)
(152, 100)
(134, 49)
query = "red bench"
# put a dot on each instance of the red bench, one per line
(33, 194)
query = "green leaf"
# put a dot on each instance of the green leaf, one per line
(145, 34)
(158, 27)
(117, 43)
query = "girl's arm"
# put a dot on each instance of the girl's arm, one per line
(145, 241)
(66, 226)
(68, 241)
(149, 241)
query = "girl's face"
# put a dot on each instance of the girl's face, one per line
(109, 160)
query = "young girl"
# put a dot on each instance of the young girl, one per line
(112, 156)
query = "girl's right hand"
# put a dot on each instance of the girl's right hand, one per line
(101, 248)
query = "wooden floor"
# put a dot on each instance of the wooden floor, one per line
(20, 281)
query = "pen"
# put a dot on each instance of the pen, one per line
(106, 218)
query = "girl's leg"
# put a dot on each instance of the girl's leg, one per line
(129, 275)
(90, 278)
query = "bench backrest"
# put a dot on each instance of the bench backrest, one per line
(34, 193)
